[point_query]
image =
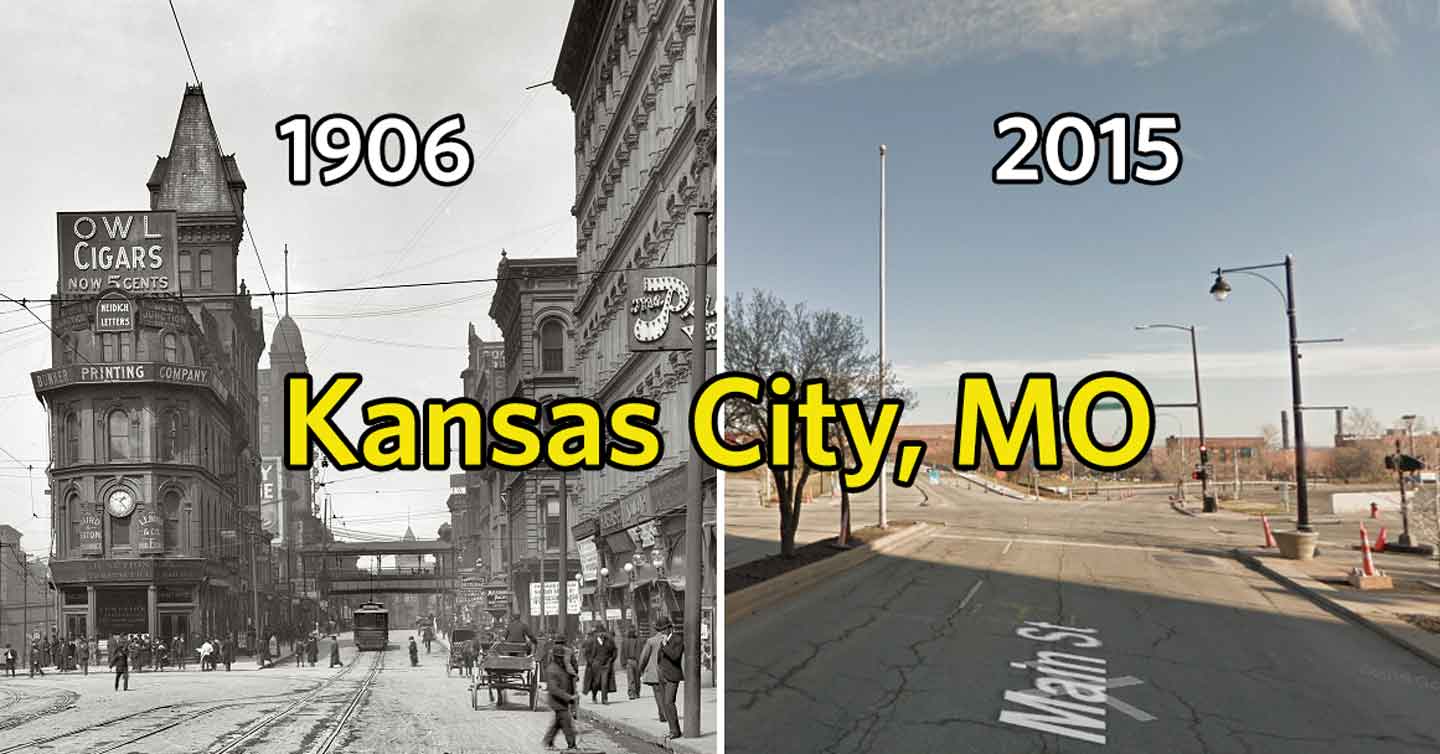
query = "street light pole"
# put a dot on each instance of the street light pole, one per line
(1207, 502)
(884, 499)
(1221, 290)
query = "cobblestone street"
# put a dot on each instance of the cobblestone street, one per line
(373, 704)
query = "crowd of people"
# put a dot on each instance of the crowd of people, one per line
(139, 652)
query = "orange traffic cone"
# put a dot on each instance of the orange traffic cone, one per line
(1379, 541)
(1269, 535)
(1367, 564)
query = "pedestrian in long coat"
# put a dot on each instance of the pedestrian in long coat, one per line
(630, 659)
(227, 650)
(84, 653)
(650, 664)
(312, 649)
(335, 651)
(414, 653)
(600, 666)
(120, 660)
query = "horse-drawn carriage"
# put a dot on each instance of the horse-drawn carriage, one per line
(506, 666)
(462, 643)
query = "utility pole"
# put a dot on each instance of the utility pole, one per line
(1405, 540)
(564, 566)
(694, 481)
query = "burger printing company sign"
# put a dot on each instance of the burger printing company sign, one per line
(132, 251)
(74, 374)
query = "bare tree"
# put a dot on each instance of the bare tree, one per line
(1361, 423)
(1271, 433)
(764, 335)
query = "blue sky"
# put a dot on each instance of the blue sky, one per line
(1306, 128)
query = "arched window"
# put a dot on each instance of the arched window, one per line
(172, 520)
(171, 348)
(72, 523)
(552, 346)
(72, 438)
(119, 426)
(205, 269)
(187, 280)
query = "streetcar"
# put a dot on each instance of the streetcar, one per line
(372, 627)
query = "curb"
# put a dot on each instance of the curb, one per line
(637, 732)
(1338, 609)
(751, 600)
(1183, 511)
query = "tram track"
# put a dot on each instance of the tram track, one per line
(180, 713)
(59, 700)
(331, 739)
(268, 721)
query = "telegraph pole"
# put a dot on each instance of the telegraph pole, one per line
(694, 481)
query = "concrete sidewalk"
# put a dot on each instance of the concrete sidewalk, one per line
(1322, 580)
(638, 718)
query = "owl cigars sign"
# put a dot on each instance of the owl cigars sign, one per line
(131, 251)
(662, 312)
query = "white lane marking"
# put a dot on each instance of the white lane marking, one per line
(1061, 542)
(968, 596)
(1007, 547)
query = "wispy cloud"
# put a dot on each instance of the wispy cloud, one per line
(820, 39)
(1363, 18)
(1319, 361)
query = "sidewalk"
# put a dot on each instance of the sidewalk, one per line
(638, 718)
(1322, 580)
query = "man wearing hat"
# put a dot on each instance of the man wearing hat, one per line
(659, 666)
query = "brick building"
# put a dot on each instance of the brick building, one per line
(152, 408)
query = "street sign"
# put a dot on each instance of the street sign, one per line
(1405, 463)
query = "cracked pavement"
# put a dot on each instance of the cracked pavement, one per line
(911, 650)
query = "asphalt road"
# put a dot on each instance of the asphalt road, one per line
(913, 651)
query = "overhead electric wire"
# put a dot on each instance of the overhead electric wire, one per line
(404, 286)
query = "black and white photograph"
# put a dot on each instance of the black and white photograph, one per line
(315, 317)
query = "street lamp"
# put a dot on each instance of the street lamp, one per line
(1301, 543)
(629, 587)
(604, 605)
(1221, 289)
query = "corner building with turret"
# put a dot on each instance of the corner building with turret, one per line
(151, 399)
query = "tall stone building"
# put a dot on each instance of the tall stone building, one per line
(640, 75)
(152, 405)
(25, 604)
(479, 526)
(533, 307)
(288, 509)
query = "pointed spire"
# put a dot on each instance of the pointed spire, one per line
(287, 279)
